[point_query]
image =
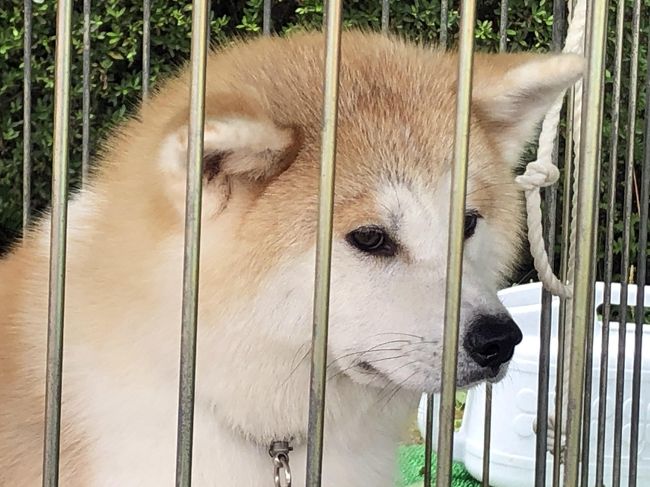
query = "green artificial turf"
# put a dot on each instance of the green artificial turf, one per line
(411, 463)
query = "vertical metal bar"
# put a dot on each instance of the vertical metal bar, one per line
(541, 439)
(56, 298)
(564, 272)
(385, 16)
(200, 29)
(146, 46)
(589, 356)
(85, 135)
(503, 26)
(455, 245)
(444, 18)
(608, 246)
(428, 442)
(587, 203)
(27, 114)
(487, 427)
(642, 263)
(324, 244)
(589, 363)
(550, 197)
(625, 258)
(487, 436)
(266, 18)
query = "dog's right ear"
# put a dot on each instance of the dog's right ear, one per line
(242, 151)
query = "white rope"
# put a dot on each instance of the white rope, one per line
(542, 172)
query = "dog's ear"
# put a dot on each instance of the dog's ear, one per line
(243, 149)
(513, 93)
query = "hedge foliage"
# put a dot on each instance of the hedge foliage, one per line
(117, 59)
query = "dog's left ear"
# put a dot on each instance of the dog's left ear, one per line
(513, 92)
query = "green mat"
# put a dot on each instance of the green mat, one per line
(411, 463)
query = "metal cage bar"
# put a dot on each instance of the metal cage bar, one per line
(428, 434)
(200, 32)
(385, 16)
(487, 427)
(589, 362)
(324, 243)
(564, 272)
(266, 18)
(503, 26)
(487, 436)
(146, 47)
(85, 134)
(27, 114)
(428, 443)
(550, 200)
(444, 19)
(642, 264)
(608, 245)
(625, 257)
(586, 212)
(589, 358)
(455, 245)
(58, 234)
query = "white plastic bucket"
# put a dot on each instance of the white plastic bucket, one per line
(514, 400)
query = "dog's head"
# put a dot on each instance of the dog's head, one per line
(391, 210)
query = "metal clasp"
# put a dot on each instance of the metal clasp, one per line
(279, 451)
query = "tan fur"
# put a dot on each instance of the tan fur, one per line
(271, 214)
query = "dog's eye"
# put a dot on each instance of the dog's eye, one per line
(471, 218)
(372, 240)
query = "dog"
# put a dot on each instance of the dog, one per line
(261, 164)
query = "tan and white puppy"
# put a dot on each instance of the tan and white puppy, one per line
(262, 140)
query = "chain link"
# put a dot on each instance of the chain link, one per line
(279, 451)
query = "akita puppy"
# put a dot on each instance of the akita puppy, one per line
(262, 144)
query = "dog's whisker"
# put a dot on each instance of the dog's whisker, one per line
(398, 388)
(372, 349)
(297, 366)
(399, 334)
(333, 362)
(370, 362)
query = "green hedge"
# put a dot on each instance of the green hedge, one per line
(116, 67)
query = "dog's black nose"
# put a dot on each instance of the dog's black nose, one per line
(491, 339)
